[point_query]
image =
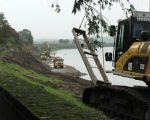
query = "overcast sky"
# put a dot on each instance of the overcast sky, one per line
(40, 18)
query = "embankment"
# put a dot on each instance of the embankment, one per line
(46, 95)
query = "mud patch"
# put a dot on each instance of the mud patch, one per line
(68, 70)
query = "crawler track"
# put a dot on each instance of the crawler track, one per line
(119, 102)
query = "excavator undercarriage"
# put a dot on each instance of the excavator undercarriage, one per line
(120, 102)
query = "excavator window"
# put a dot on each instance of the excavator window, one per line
(119, 46)
(138, 28)
(121, 36)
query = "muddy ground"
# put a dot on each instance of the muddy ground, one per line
(66, 70)
(69, 75)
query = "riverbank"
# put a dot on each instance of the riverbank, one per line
(69, 70)
(48, 95)
(66, 70)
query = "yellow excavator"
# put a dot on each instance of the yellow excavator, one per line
(132, 47)
(45, 54)
(131, 58)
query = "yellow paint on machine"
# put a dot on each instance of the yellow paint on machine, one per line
(139, 49)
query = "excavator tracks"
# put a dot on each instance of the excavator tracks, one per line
(120, 102)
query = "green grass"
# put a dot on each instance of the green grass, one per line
(42, 100)
(66, 95)
(22, 73)
(4, 53)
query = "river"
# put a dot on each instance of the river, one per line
(72, 57)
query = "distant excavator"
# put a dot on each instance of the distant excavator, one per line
(45, 53)
(131, 58)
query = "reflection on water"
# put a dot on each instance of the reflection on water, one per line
(72, 57)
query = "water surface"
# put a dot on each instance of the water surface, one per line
(72, 57)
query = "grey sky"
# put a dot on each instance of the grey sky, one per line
(37, 16)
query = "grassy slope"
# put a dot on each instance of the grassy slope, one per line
(45, 102)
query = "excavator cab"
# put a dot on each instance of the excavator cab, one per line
(129, 31)
(131, 46)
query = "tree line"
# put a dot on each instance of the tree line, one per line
(10, 38)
